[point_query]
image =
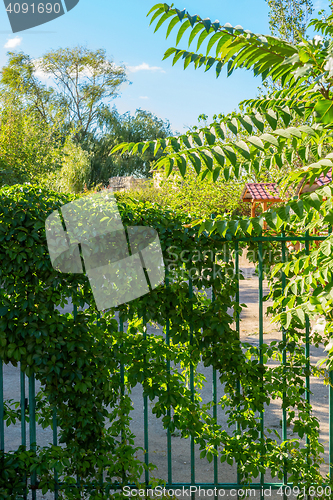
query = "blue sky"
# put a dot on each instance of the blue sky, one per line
(122, 28)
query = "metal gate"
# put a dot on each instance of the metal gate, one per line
(192, 486)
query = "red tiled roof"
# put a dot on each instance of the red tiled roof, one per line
(325, 179)
(304, 187)
(261, 191)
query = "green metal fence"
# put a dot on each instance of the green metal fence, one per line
(169, 482)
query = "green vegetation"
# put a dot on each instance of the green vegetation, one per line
(285, 134)
(198, 197)
(46, 128)
(77, 359)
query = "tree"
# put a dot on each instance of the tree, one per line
(29, 148)
(83, 84)
(74, 173)
(288, 18)
(83, 81)
(305, 71)
(116, 128)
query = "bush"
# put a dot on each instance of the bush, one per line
(192, 195)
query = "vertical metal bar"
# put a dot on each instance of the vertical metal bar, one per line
(307, 345)
(23, 422)
(215, 419)
(238, 331)
(78, 482)
(74, 311)
(32, 427)
(2, 410)
(284, 362)
(214, 395)
(190, 285)
(55, 443)
(330, 395)
(23, 408)
(145, 427)
(167, 340)
(122, 388)
(307, 349)
(261, 341)
(101, 481)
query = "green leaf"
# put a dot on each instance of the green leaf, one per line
(247, 123)
(196, 161)
(169, 52)
(270, 139)
(258, 122)
(221, 227)
(165, 16)
(182, 30)
(216, 173)
(201, 38)
(157, 13)
(324, 111)
(172, 24)
(207, 23)
(212, 41)
(207, 158)
(243, 148)
(218, 155)
(180, 14)
(282, 133)
(256, 142)
(159, 6)
(271, 117)
(197, 28)
(233, 125)
(210, 138)
(230, 154)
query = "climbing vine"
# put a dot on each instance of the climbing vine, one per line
(77, 358)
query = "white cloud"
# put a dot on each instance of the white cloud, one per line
(13, 42)
(143, 97)
(144, 67)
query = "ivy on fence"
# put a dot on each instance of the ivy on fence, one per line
(77, 359)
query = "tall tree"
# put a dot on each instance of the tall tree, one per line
(83, 84)
(83, 81)
(141, 126)
(288, 19)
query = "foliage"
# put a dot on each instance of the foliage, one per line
(199, 197)
(75, 102)
(78, 358)
(288, 18)
(268, 56)
(83, 80)
(82, 387)
(29, 147)
(75, 172)
(117, 128)
(300, 287)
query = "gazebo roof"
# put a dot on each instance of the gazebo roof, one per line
(321, 181)
(261, 191)
(269, 191)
